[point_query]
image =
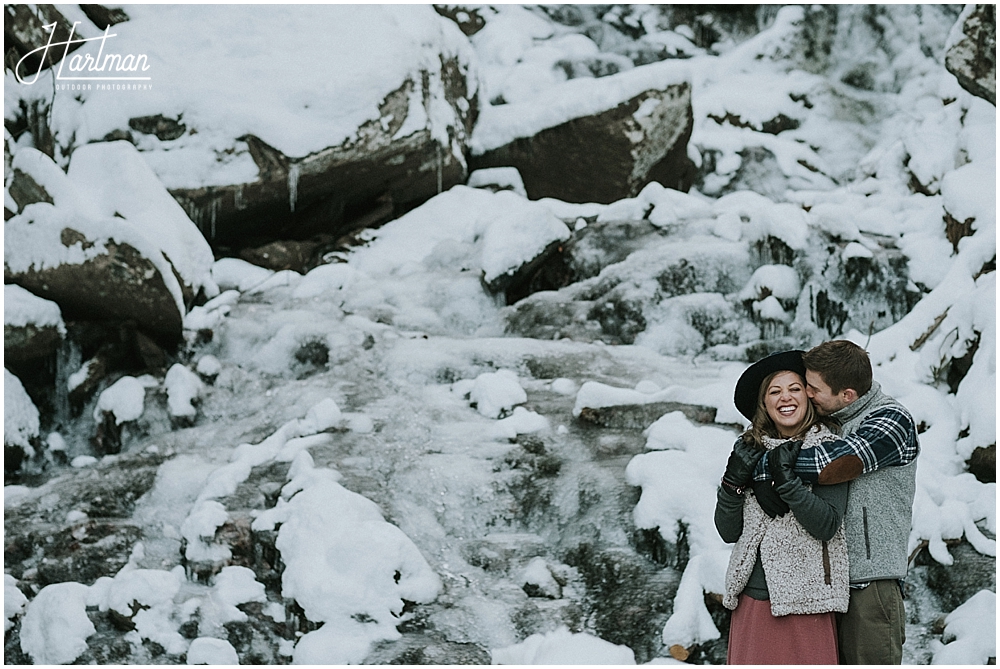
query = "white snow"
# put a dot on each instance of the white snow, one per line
(537, 573)
(21, 307)
(208, 366)
(564, 647)
(968, 639)
(213, 103)
(496, 393)
(125, 398)
(406, 314)
(501, 177)
(344, 564)
(55, 626)
(208, 650)
(20, 416)
(14, 601)
(233, 273)
(780, 281)
(495, 232)
(183, 387)
(120, 182)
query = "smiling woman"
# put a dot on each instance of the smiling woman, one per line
(788, 571)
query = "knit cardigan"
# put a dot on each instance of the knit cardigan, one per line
(804, 575)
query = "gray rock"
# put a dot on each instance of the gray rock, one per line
(118, 285)
(631, 597)
(983, 463)
(641, 416)
(971, 572)
(102, 16)
(607, 156)
(973, 59)
(868, 294)
(23, 30)
(501, 552)
(338, 189)
(22, 343)
(25, 190)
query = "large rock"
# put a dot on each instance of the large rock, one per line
(973, 57)
(32, 327)
(257, 148)
(106, 242)
(104, 273)
(340, 188)
(608, 155)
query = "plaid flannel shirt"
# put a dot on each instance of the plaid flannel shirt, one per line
(886, 437)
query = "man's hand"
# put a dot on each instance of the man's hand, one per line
(781, 462)
(739, 469)
(769, 500)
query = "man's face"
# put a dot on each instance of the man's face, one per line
(825, 401)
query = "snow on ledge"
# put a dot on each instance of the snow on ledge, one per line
(501, 124)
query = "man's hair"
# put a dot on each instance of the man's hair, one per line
(842, 364)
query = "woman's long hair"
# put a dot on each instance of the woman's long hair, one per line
(763, 425)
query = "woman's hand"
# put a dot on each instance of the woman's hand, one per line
(739, 469)
(781, 462)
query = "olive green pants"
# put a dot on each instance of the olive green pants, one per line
(874, 628)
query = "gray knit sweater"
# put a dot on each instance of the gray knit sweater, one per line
(798, 561)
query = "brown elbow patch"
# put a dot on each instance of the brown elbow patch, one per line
(842, 469)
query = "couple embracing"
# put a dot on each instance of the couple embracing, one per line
(817, 496)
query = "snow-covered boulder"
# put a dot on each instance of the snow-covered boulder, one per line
(121, 184)
(972, 51)
(108, 242)
(55, 627)
(339, 125)
(208, 650)
(594, 140)
(123, 402)
(32, 327)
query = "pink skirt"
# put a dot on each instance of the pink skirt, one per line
(757, 637)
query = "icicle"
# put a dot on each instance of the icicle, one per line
(293, 185)
(440, 167)
(213, 210)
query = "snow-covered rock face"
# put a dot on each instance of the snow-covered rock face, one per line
(110, 211)
(32, 327)
(385, 461)
(602, 157)
(972, 55)
(376, 129)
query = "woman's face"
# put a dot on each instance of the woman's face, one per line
(785, 400)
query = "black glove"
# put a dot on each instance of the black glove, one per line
(781, 462)
(739, 469)
(770, 501)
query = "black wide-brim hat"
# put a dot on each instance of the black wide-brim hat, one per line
(748, 387)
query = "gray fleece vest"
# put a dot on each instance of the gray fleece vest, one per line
(879, 505)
